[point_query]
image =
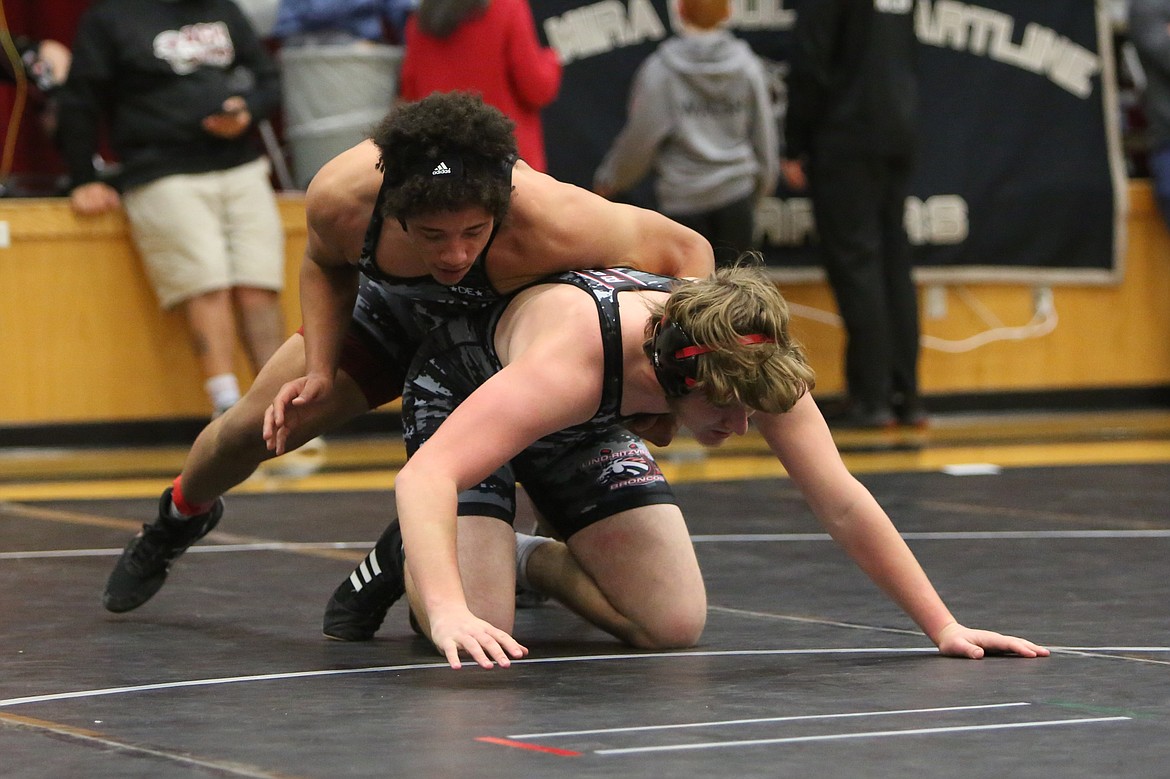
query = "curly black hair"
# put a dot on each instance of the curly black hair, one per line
(458, 130)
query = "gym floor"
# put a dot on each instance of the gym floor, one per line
(1050, 526)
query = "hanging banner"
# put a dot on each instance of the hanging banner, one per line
(1019, 175)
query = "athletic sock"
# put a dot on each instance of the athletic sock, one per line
(180, 508)
(223, 390)
(525, 545)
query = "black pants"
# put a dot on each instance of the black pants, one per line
(859, 205)
(729, 228)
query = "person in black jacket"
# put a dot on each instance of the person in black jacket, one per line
(1149, 30)
(181, 82)
(850, 138)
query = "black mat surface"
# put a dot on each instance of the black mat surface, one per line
(805, 670)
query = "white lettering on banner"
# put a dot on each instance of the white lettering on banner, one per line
(761, 15)
(940, 220)
(602, 27)
(988, 33)
(784, 222)
(893, 6)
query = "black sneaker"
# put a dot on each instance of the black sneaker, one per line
(142, 568)
(359, 604)
(911, 413)
(862, 417)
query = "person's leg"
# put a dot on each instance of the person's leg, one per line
(634, 575)
(255, 246)
(846, 205)
(261, 323)
(231, 447)
(225, 453)
(176, 225)
(902, 295)
(628, 565)
(211, 325)
(732, 230)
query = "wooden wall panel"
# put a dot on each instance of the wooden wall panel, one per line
(81, 335)
(81, 338)
(1106, 336)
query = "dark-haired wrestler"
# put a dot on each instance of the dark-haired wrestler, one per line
(436, 216)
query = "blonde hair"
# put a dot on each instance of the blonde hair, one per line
(704, 14)
(717, 312)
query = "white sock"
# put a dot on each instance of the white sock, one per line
(223, 390)
(525, 544)
(174, 513)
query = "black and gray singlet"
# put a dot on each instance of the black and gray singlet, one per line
(393, 314)
(576, 476)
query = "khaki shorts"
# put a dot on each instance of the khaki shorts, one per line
(202, 232)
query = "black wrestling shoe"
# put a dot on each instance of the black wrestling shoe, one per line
(359, 604)
(142, 568)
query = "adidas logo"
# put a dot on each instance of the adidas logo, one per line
(441, 169)
(365, 573)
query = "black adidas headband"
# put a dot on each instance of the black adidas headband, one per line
(450, 165)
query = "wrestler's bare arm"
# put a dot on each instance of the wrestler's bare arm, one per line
(855, 520)
(554, 227)
(337, 211)
(338, 205)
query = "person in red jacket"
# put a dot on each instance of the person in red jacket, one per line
(488, 47)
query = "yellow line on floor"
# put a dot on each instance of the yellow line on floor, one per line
(690, 466)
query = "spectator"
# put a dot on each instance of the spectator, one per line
(43, 65)
(179, 85)
(700, 114)
(850, 133)
(1149, 29)
(488, 47)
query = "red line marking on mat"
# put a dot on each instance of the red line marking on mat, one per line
(507, 742)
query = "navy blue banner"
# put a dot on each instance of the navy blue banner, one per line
(1019, 174)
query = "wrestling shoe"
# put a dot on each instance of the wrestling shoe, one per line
(359, 604)
(142, 568)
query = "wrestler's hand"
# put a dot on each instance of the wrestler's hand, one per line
(290, 407)
(484, 642)
(955, 640)
(658, 429)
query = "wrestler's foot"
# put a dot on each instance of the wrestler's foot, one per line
(359, 604)
(142, 568)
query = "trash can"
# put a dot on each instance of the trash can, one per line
(333, 95)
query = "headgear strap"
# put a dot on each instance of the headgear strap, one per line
(675, 355)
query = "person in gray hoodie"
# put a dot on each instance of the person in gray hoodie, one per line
(701, 115)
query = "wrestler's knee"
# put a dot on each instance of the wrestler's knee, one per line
(678, 627)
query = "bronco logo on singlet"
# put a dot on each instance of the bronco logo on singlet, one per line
(627, 467)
